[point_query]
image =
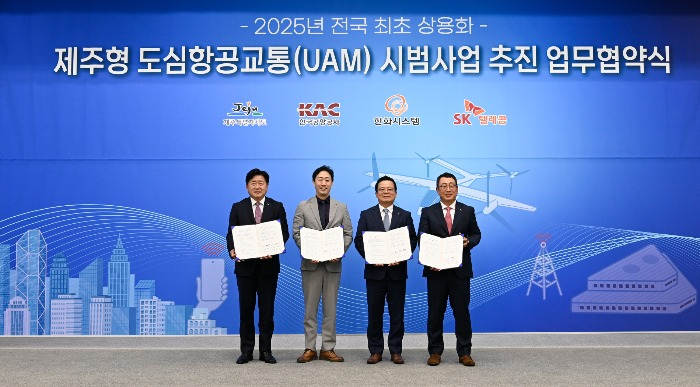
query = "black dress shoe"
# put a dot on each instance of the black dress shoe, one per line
(244, 358)
(268, 358)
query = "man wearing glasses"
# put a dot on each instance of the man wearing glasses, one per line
(385, 281)
(444, 219)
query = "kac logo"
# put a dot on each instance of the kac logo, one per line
(397, 106)
(472, 110)
(244, 110)
(317, 110)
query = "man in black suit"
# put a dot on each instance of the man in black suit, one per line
(385, 281)
(445, 219)
(258, 276)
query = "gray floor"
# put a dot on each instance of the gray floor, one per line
(671, 358)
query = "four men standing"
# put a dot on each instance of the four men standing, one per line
(321, 280)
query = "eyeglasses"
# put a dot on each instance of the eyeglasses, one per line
(385, 190)
(445, 186)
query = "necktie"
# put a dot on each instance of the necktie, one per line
(448, 220)
(258, 212)
(387, 221)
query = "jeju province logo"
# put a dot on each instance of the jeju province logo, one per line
(319, 114)
(244, 114)
(472, 111)
(397, 106)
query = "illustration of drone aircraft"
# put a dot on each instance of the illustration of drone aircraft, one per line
(464, 182)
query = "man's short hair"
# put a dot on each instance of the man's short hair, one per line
(384, 178)
(320, 169)
(447, 175)
(256, 172)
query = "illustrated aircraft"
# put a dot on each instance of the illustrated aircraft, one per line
(467, 178)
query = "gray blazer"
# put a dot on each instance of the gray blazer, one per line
(306, 215)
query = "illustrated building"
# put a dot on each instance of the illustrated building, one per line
(31, 252)
(201, 325)
(4, 283)
(152, 316)
(176, 319)
(118, 276)
(101, 315)
(90, 286)
(67, 315)
(643, 282)
(17, 318)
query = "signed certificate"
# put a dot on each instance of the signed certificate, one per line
(322, 245)
(387, 247)
(440, 253)
(258, 240)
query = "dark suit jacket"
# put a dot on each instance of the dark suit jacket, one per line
(241, 215)
(432, 221)
(371, 220)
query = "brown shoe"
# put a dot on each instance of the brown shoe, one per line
(467, 361)
(330, 356)
(396, 358)
(307, 356)
(434, 359)
(374, 358)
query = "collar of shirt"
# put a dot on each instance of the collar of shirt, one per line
(453, 207)
(323, 201)
(262, 203)
(390, 208)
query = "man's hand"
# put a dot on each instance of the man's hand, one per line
(232, 254)
(465, 241)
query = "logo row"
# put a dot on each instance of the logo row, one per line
(328, 114)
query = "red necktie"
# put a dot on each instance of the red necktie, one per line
(258, 212)
(448, 220)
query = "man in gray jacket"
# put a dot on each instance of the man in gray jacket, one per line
(321, 279)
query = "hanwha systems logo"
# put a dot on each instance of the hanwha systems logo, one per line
(319, 114)
(245, 114)
(472, 111)
(397, 106)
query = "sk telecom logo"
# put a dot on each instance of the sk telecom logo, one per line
(397, 106)
(319, 114)
(473, 112)
(244, 114)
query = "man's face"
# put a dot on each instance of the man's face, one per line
(257, 187)
(323, 184)
(386, 194)
(447, 189)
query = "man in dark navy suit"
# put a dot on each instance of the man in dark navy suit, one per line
(257, 276)
(444, 219)
(385, 281)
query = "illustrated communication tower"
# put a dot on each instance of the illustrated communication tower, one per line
(543, 274)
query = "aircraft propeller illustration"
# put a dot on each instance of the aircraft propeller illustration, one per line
(512, 176)
(427, 163)
(490, 200)
(375, 174)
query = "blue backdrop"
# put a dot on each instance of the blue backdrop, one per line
(599, 164)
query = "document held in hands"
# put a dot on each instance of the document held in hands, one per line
(322, 245)
(440, 253)
(258, 240)
(387, 247)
